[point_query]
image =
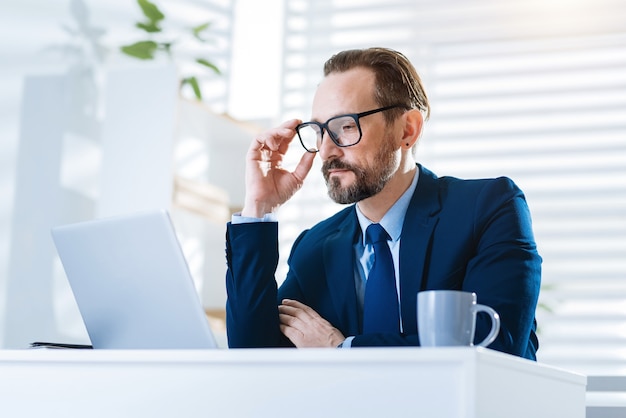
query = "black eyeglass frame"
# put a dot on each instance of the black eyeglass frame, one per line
(324, 126)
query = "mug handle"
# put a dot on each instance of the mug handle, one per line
(495, 324)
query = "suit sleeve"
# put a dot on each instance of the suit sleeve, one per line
(251, 307)
(505, 273)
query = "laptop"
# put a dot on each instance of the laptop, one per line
(132, 284)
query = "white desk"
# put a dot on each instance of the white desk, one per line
(390, 382)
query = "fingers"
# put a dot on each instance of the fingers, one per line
(294, 308)
(296, 304)
(291, 312)
(290, 324)
(305, 327)
(304, 166)
(294, 321)
(276, 139)
(296, 315)
(268, 183)
(294, 335)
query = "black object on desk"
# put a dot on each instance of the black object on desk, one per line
(41, 344)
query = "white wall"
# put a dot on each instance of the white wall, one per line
(33, 36)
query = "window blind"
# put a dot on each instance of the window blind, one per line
(532, 90)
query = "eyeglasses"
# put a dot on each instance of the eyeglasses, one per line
(344, 130)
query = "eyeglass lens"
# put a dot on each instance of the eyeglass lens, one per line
(344, 131)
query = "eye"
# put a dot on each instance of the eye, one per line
(348, 126)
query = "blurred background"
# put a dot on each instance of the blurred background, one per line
(531, 89)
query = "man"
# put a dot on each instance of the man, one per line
(440, 233)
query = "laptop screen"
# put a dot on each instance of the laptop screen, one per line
(132, 284)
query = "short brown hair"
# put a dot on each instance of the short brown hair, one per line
(397, 81)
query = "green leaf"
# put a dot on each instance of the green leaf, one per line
(209, 64)
(193, 82)
(151, 27)
(143, 50)
(151, 11)
(197, 31)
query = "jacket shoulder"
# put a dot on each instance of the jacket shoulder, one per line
(329, 225)
(463, 188)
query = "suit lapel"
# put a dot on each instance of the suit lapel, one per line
(419, 224)
(339, 265)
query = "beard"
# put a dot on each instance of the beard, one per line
(368, 180)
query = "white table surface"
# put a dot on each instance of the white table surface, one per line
(376, 382)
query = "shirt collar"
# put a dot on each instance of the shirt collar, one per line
(393, 220)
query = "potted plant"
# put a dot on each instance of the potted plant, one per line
(149, 48)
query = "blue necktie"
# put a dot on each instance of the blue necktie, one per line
(380, 309)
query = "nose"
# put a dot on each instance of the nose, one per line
(327, 148)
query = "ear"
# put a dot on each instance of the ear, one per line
(413, 122)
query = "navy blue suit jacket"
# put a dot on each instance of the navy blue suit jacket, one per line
(471, 235)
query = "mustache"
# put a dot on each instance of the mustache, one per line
(337, 165)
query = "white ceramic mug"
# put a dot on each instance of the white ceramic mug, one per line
(448, 318)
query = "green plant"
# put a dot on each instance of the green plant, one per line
(147, 49)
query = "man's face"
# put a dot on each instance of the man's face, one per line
(357, 172)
